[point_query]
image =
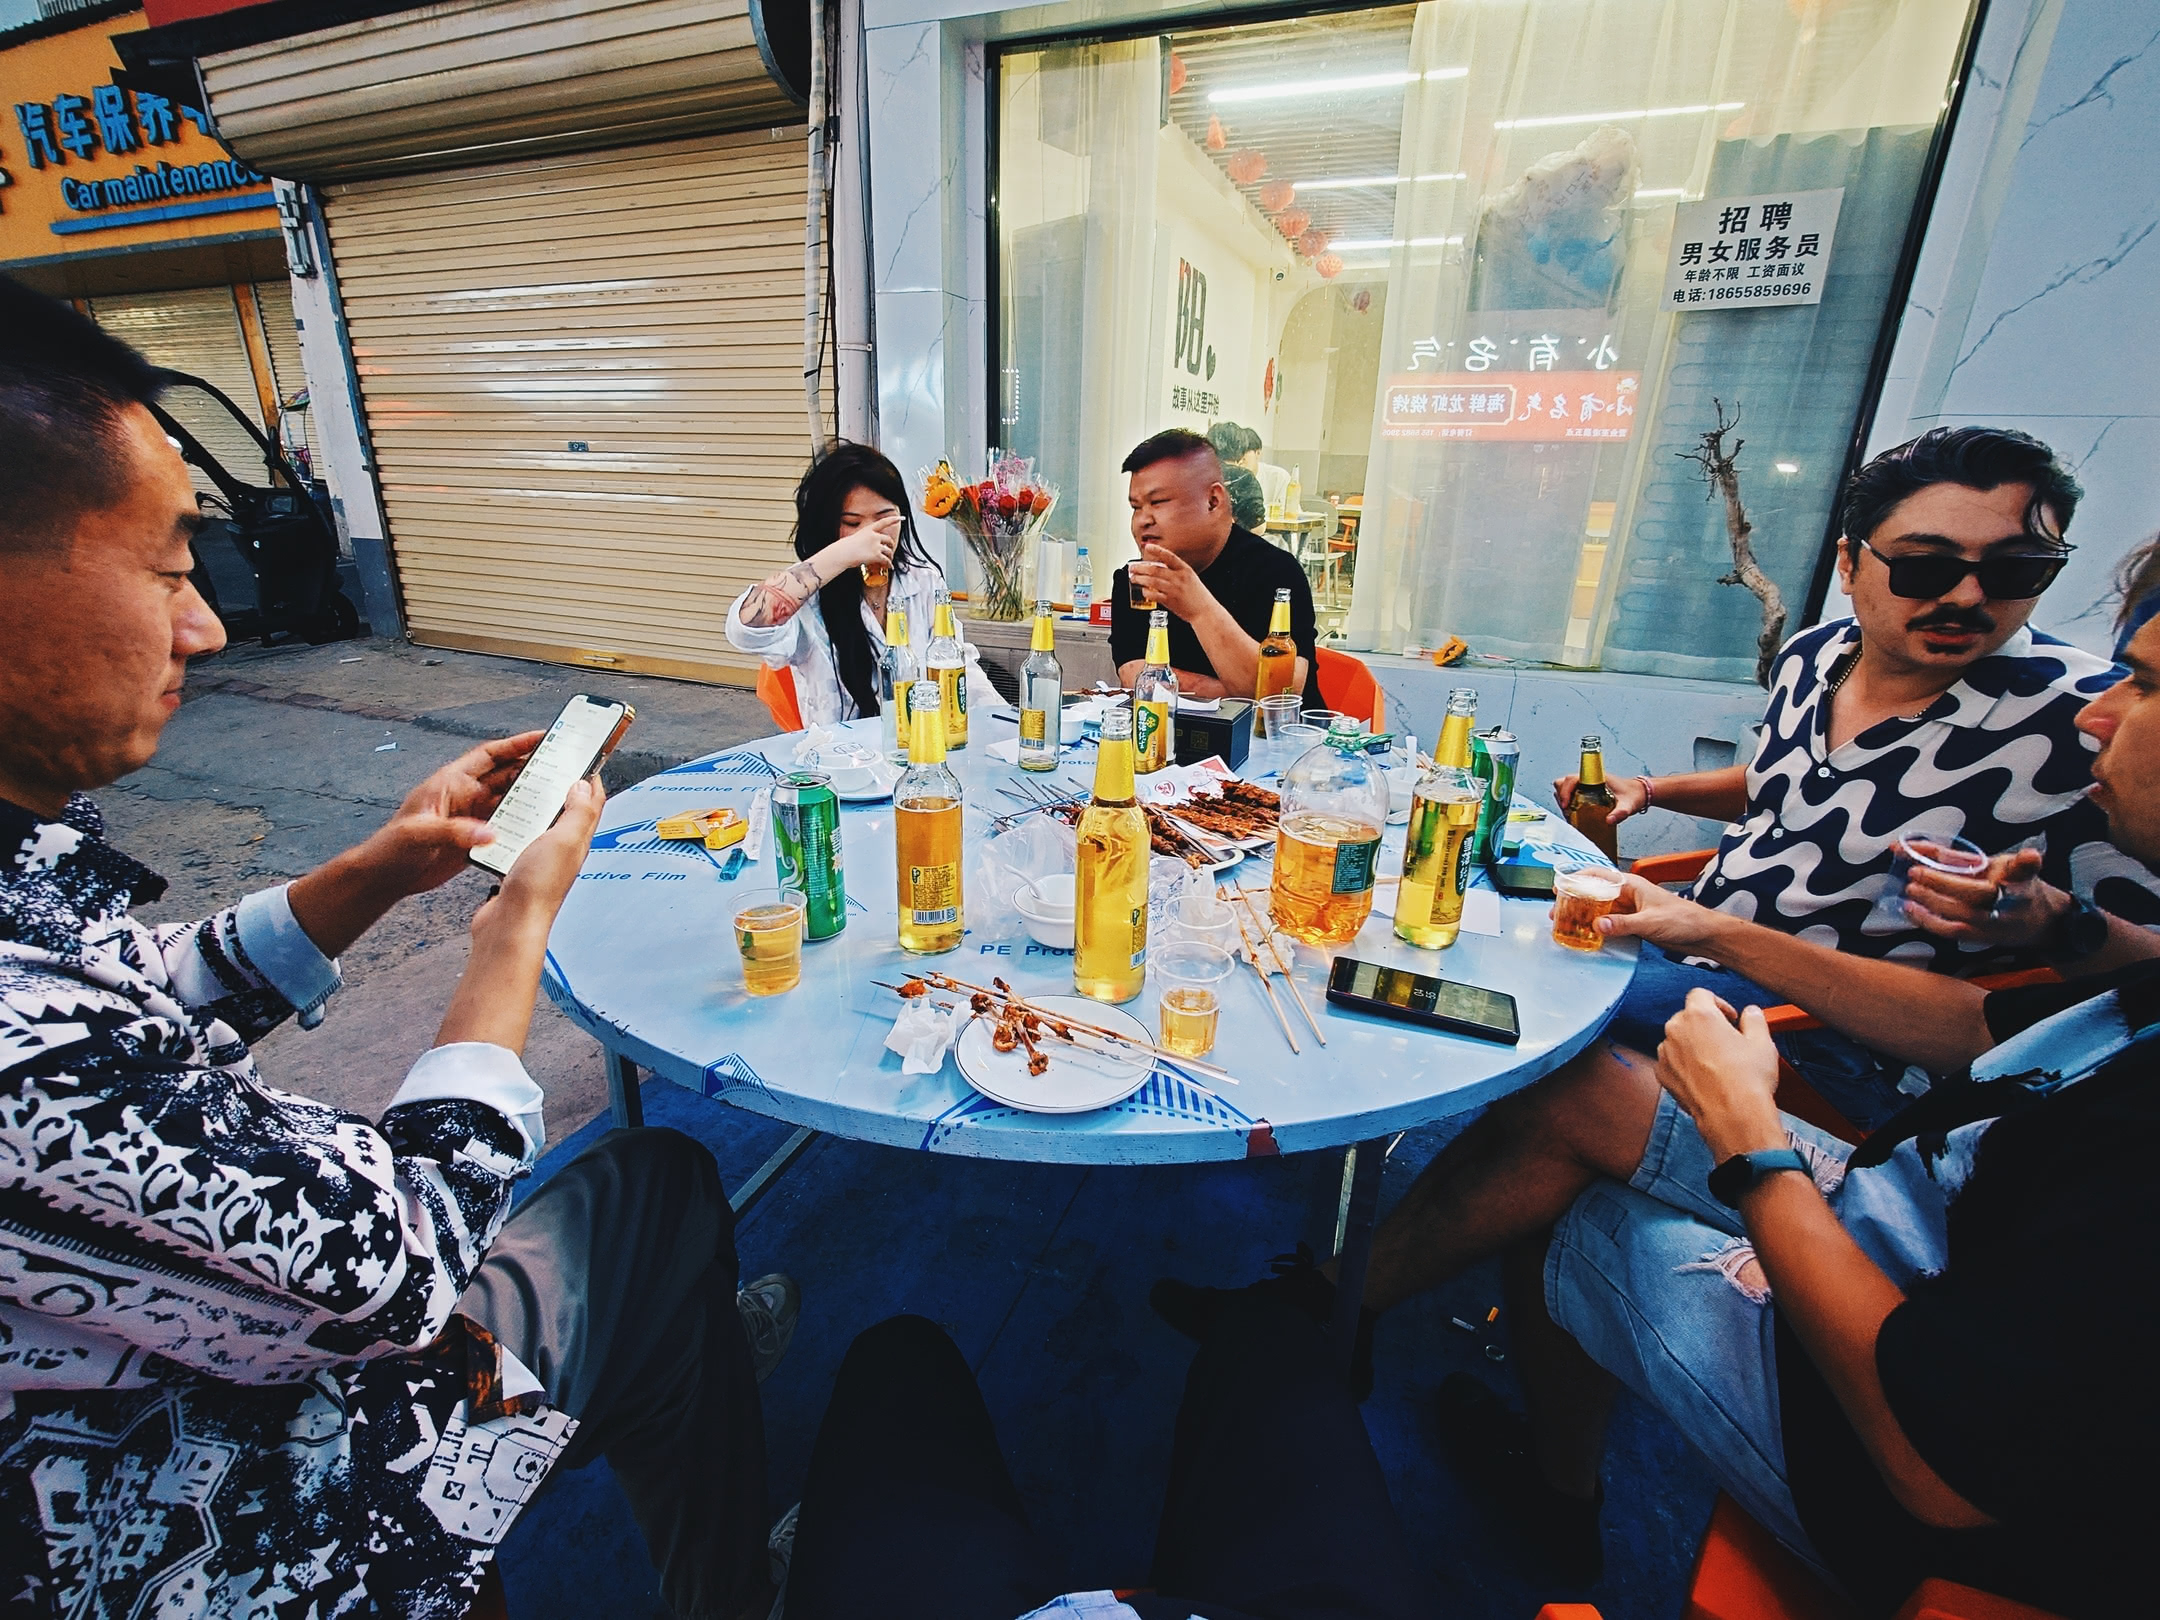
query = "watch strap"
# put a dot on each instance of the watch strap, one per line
(1730, 1181)
(2079, 931)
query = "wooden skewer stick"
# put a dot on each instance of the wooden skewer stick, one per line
(1267, 933)
(1252, 960)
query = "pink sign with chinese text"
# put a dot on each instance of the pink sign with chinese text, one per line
(1545, 406)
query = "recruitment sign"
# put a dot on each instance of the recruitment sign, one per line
(87, 164)
(1751, 252)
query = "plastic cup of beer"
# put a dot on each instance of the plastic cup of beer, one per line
(1138, 593)
(1204, 919)
(1191, 973)
(1579, 900)
(769, 933)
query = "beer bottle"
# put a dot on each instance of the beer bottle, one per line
(947, 661)
(896, 672)
(1154, 699)
(1042, 697)
(1111, 898)
(1278, 658)
(1593, 800)
(1436, 845)
(926, 834)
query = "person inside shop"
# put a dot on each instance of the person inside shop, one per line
(1927, 1356)
(257, 1352)
(1239, 446)
(1932, 712)
(1274, 1505)
(1216, 580)
(821, 618)
(1248, 506)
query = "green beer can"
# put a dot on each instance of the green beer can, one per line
(806, 844)
(1493, 755)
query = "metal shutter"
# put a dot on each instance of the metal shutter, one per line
(583, 380)
(198, 332)
(287, 374)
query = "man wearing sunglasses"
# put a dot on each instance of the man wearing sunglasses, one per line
(1933, 712)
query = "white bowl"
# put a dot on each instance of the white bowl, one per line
(1072, 724)
(1054, 895)
(1054, 932)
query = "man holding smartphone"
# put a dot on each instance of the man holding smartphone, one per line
(308, 1362)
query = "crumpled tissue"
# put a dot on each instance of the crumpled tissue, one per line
(922, 1035)
(811, 741)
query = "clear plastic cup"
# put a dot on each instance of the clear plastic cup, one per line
(1959, 857)
(1322, 719)
(1580, 898)
(1191, 975)
(1276, 713)
(1204, 919)
(769, 934)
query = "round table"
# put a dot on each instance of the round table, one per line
(643, 958)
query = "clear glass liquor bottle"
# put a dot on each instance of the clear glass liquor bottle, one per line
(1155, 694)
(1111, 904)
(946, 662)
(926, 835)
(1042, 697)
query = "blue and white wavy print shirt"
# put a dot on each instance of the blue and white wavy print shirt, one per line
(1996, 759)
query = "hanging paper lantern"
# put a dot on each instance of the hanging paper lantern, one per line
(1329, 265)
(1314, 242)
(1216, 139)
(1246, 167)
(1177, 73)
(1292, 222)
(1276, 194)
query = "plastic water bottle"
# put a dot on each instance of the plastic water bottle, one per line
(1083, 586)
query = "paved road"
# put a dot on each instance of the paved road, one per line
(281, 757)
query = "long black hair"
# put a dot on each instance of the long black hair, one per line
(825, 487)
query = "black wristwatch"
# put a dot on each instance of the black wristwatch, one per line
(1730, 1181)
(2078, 932)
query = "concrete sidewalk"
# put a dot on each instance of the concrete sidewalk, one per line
(280, 757)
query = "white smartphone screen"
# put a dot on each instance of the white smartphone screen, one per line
(569, 750)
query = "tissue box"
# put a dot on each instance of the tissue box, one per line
(1227, 731)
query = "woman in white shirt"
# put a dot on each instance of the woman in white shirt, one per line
(851, 509)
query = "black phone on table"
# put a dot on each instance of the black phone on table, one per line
(583, 735)
(1523, 880)
(1419, 998)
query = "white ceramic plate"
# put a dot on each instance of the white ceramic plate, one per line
(868, 795)
(1076, 1082)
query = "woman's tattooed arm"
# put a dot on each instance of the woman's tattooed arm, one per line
(779, 599)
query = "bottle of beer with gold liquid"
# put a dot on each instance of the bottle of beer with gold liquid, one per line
(1334, 805)
(1436, 846)
(1593, 800)
(1278, 658)
(947, 665)
(896, 673)
(1042, 697)
(1111, 903)
(926, 834)
(1154, 699)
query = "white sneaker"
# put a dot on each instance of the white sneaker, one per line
(779, 1554)
(769, 1307)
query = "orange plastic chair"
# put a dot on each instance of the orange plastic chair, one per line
(1348, 687)
(776, 689)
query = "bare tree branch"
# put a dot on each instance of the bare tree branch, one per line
(1721, 471)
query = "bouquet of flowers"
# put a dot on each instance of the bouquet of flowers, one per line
(1000, 517)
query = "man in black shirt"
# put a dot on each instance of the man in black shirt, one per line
(1927, 1356)
(1216, 580)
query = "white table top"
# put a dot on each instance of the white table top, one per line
(643, 957)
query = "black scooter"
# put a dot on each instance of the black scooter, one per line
(267, 563)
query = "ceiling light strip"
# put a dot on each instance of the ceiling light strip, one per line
(1558, 119)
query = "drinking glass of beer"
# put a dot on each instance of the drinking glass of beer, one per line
(769, 933)
(1141, 597)
(1191, 974)
(1579, 900)
(875, 574)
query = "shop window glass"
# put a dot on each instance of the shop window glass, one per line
(1422, 254)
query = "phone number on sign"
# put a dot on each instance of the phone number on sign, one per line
(1783, 290)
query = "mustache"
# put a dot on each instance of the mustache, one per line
(1953, 619)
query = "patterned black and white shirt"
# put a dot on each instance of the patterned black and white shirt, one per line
(1996, 759)
(231, 1377)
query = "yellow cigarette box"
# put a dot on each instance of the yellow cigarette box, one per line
(731, 830)
(697, 823)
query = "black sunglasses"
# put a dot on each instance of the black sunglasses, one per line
(1928, 575)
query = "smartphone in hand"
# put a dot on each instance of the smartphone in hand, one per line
(581, 738)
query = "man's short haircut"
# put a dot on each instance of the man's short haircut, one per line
(1171, 444)
(1228, 439)
(1980, 458)
(65, 384)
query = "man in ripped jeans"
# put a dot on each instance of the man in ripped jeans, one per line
(1926, 1356)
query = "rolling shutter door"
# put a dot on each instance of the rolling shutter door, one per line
(583, 380)
(274, 298)
(198, 332)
